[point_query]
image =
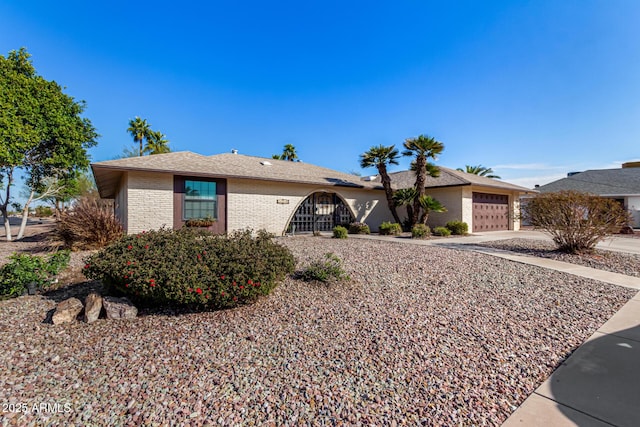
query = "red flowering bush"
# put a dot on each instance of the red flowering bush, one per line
(192, 267)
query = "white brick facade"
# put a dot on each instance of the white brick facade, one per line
(254, 204)
(149, 198)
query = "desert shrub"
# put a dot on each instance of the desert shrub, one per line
(458, 227)
(339, 232)
(43, 211)
(576, 221)
(90, 224)
(327, 270)
(442, 231)
(420, 231)
(359, 228)
(192, 267)
(390, 229)
(24, 269)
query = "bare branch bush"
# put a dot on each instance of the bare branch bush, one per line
(576, 221)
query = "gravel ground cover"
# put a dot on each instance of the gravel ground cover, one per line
(616, 262)
(421, 335)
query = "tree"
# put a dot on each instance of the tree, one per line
(479, 170)
(576, 221)
(42, 131)
(405, 197)
(428, 205)
(288, 153)
(423, 147)
(139, 130)
(157, 143)
(380, 157)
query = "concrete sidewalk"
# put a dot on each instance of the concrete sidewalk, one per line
(599, 384)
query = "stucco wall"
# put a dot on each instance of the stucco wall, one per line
(452, 199)
(149, 201)
(254, 204)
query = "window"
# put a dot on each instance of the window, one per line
(200, 200)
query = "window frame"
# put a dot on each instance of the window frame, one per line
(186, 199)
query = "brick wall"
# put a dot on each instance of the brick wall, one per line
(254, 204)
(149, 201)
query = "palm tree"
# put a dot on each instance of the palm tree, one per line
(429, 204)
(157, 143)
(380, 157)
(423, 147)
(289, 153)
(404, 197)
(139, 130)
(479, 170)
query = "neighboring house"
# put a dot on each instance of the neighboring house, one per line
(240, 192)
(621, 184)
(485, 204)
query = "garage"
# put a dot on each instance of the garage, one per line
(490, 212)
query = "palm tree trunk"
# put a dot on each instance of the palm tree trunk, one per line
(421, 177)
(386, 183)
(140, 153)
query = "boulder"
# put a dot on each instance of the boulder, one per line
(92, 307)
(67, 311)
(119, 308)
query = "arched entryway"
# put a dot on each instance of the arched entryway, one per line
(320, 211)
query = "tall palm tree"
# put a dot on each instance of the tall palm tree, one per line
(423, 147)
(479, 170)
(139, 130)
(380, 157)
(157, 143)
(289, 153)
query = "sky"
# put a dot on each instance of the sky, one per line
(533, 89)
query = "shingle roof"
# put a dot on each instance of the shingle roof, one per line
(452, 178)
(108, 173)
(604, 182)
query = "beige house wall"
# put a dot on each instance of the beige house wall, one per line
(452, 199)
(149, 201)
(271, 205)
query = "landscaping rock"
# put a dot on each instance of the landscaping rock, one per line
(67, 311)
(119, 308)
(92, 307)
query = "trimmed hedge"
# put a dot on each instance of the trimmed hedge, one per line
(390, 229)
(191, 266)
(458, 227)
(339, 232)
(359, 228)
(420, 231)
(442, 231)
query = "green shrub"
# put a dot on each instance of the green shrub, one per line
(458, 227)
(90, 224)
(420, 231)
(192, 266)
(339, 232)
(329, 270)
(43, 211)
(359, 228)
(23, 270)
(442, 231)
(388, 228)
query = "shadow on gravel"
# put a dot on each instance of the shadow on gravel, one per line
(75, 290)
(601, 379)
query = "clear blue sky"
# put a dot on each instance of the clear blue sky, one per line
(533, 89)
